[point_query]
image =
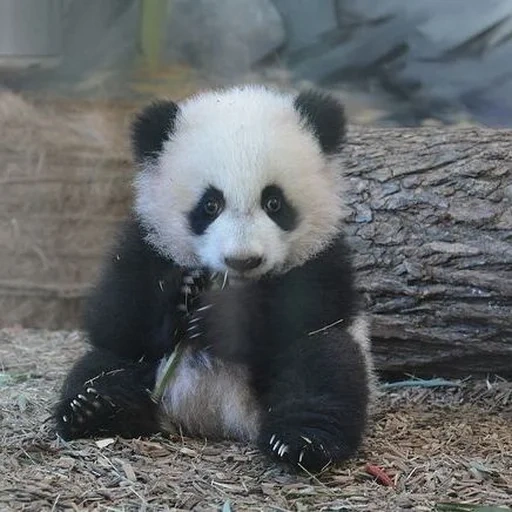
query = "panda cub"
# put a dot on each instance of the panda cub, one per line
(227, 308)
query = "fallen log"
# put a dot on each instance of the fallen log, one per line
(431, 228)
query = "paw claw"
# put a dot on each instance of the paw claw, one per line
(300, 445)
(85, 409)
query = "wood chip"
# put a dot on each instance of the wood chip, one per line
(436, 445)
(103, 443)
(128, 471)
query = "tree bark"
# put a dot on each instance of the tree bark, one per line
(431, 231)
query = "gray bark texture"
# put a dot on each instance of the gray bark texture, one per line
(431, 231)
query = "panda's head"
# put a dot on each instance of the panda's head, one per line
(243, 180)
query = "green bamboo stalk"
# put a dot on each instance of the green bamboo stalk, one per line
(153, 14)
(167, 374)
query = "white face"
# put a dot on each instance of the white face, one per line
(243, 146)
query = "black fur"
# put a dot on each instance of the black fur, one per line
(151, 128)
(132, 312)
(287, 216)
(325, 116)
(311, 386)
(106, 393)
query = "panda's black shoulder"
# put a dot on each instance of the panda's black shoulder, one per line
(319, 292)
(130, 296)
(129, 251)
(331, 268)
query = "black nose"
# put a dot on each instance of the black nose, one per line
(243, 264)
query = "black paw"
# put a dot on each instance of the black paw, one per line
(193, 283)
(196, 326)
(85, 414)
(304, 449)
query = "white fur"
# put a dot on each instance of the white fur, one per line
(239, 141)
(359, 330)
(209, 399)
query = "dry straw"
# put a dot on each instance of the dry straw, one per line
(64, 186)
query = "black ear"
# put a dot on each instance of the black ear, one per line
(152, 127)
(324, 116)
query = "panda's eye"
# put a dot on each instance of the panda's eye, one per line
(212, 207)
(207, 209)
(272, 204)
(278, 208)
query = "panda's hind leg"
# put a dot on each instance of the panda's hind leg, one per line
(316, 402)
(105, 395)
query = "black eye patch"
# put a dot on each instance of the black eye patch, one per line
(208, 208)
(276, 206)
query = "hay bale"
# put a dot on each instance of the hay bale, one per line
(64, 186)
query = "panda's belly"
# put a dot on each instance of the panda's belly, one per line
(209, 398)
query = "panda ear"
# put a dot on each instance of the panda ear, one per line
(151, 128)
(325, 117)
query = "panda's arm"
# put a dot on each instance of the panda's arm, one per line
(133, 309)
(315, 378)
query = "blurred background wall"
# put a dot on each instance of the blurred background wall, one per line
(72, 72)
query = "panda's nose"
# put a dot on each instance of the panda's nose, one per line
(243, 264)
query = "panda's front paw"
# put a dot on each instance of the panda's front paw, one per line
(304, 449)
(193, 283)
(196, 326)
(84, 415)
